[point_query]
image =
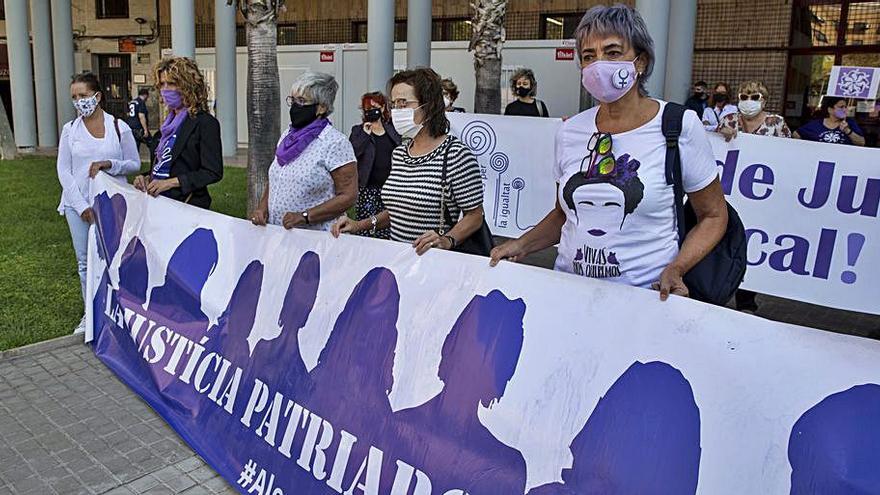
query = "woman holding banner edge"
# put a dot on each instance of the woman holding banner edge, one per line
(618, 219)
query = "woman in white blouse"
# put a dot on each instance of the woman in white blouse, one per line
(92, 142)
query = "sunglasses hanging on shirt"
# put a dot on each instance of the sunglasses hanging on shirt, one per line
(602, 162)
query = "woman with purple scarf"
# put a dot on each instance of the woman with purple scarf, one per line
(188, 154)
(313, 179)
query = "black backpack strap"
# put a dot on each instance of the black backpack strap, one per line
(673, 114)
(116, 126)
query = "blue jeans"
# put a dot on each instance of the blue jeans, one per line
(79, 233)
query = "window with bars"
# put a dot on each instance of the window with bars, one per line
(446, 29)
(111, 9)
(863, 24)
(559, 26)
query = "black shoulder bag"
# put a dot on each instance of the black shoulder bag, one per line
(481, 241)
(717, 276)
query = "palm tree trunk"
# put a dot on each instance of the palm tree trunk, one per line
(263, 95)
(486, 43)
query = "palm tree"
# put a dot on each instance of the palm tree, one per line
(263, 91)
(486, 43)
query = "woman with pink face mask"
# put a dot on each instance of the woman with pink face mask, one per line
(614, 217)
(832, 125)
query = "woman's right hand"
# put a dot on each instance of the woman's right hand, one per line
(728, 133)
(510, 250)
(140, 182)
(88, 216)
(344, 225)
(260, 217)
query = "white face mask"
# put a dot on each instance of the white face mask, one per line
(447, 102)
(86, 106)
(750, 108)
(404, 122)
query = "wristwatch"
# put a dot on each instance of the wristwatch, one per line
(305, 215)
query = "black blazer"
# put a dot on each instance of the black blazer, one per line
(365, 150)
(196, 160)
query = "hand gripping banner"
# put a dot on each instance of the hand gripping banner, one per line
(295, 363)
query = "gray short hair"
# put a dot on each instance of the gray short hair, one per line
(620, 20)
(318, 86)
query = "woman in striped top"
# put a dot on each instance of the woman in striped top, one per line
(412, 193)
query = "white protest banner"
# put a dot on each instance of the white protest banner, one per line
(301, 364)
(810, 209)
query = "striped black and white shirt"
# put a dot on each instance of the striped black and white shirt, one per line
(412, 192)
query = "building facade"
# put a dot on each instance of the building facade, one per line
(790, 45)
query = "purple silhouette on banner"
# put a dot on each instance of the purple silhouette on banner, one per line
(444, 436)
(356, 364)
(643, 437)
(134, 273)
(179, 300)
(835, 445)
(110, 217)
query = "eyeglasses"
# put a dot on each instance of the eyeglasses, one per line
(299, 100)
(599, 146)
(402, 103)
(753, 97)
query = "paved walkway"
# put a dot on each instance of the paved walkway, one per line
(68, 426)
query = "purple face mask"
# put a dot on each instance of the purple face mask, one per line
(840, 113)
(608, 81)
(172, 98)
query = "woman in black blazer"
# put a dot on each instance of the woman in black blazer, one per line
(188, 154)
(373, 141)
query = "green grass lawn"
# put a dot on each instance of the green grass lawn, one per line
(39, 288)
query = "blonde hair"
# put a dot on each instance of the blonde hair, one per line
(186, 75)
(754, 87)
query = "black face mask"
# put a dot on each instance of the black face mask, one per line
(372, 115)
(303, 115)
(720, 97)
(523, 92)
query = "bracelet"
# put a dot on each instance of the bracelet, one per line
(374, 222)
(850, 131)
(451, 241)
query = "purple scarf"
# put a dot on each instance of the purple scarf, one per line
(297, 140)
(169, 127)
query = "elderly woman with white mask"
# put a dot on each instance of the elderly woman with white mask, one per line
(418, 210)
(313, 178)
(614, 216)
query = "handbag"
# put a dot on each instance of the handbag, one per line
(481, 241)
(718, 275)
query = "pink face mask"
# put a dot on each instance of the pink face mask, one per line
(608, 81)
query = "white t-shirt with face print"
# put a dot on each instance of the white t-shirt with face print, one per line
(621, 226)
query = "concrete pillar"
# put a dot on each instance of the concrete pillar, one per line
(44, 74)
(656, 15)
(418, 34)
(225, 78)
(62, 51)
(380, 43)
(680, 60)
(21, 77)
(183, 28)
